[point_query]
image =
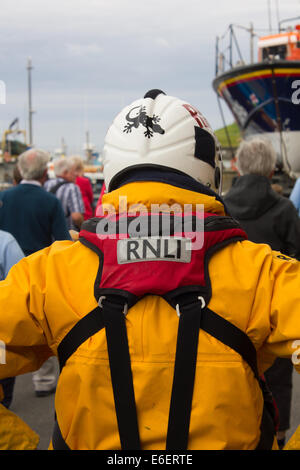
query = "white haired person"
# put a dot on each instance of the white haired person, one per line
(267, 217)
(34, 217)
(65, 189)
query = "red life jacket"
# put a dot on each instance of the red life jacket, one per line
(173, 263)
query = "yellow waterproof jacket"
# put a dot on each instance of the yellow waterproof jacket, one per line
(255, 289)
(15, 434)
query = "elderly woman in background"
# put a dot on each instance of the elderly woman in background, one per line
(270, 218)
(85, 187)
(266, 216)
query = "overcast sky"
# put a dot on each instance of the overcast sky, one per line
(93, 57)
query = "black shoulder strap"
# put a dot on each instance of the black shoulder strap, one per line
(190, 318)
(120, 368)
(193, 317)
(110, 314)
(55, 188)
(84, 329)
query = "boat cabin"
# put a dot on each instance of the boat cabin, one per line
(281, 46)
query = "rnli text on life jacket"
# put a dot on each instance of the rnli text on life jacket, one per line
(132, 250)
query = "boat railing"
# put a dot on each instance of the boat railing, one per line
(229, 46)
(228, 50)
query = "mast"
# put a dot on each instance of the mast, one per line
(88, 147)
(269, 15)
(251, 43)
(63, 147)
(30, 110)
(277, 16)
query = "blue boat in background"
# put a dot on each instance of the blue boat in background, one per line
(264, 96)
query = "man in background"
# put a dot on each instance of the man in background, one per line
(34, 217)
(65, 189)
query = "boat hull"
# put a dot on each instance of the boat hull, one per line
(264, 99)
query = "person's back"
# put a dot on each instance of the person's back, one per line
(149, 323)
(224, 385)
(32, 216)
(65, 189)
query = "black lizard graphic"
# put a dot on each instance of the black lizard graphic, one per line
(140, 117)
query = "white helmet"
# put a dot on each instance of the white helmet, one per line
(162, 131)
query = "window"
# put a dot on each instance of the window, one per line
(274, 52)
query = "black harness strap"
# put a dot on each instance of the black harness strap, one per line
(231, 336)
(193, 317)
(58, 441)
(184, 376)
(121, 374)
(267, 430)
(236, 339)
(111, 317)
(54, 190)
(83, 330)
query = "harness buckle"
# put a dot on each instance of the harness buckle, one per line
(199, 298)
(102, 297)
(125, 311)
(202, 301)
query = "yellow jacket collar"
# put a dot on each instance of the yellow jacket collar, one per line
(133, 197)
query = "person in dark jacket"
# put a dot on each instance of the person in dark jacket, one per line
(267, 217)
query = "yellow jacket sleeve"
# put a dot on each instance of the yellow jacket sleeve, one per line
(15, 434)
(22, 321)
(284, 310)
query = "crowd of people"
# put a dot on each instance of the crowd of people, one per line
(205, 378)
(36, 211)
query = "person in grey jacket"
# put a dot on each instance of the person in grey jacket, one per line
(267, 217)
